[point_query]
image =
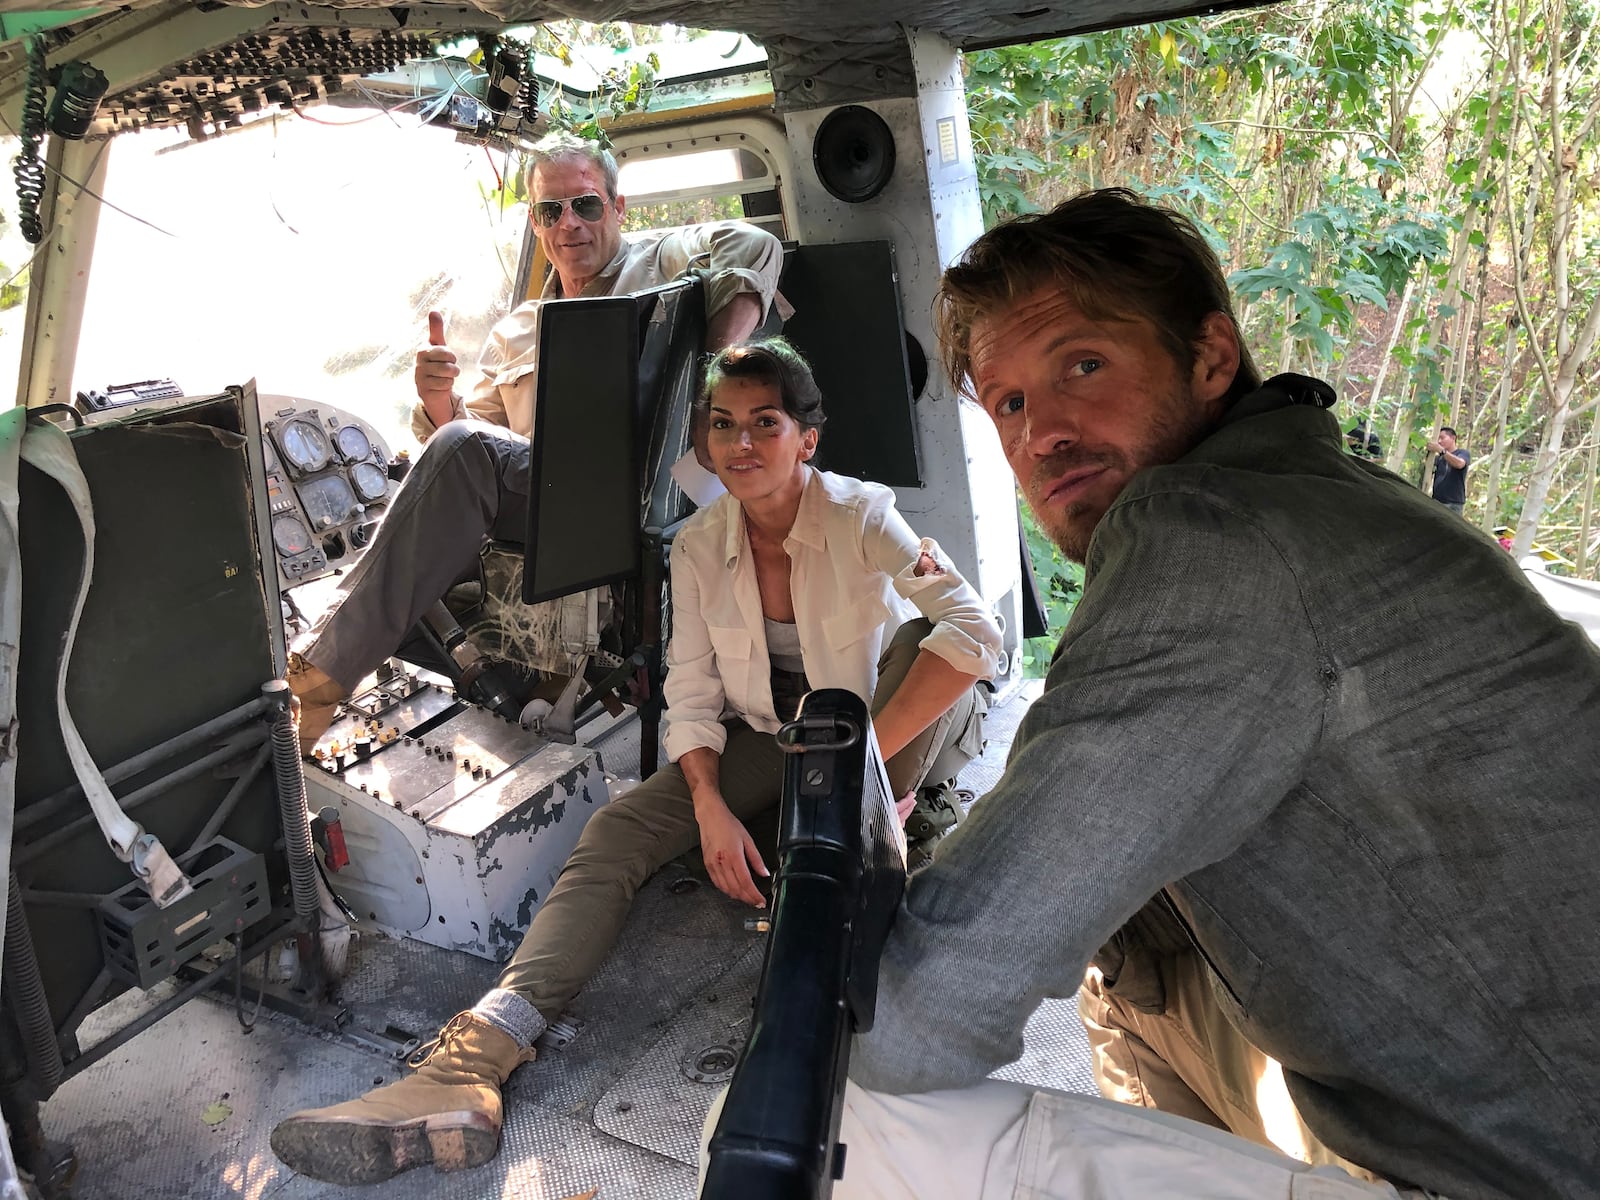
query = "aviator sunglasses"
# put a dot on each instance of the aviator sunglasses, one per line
(590, 207)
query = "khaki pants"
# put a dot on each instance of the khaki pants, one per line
(1021, 1143)
(1190, 1061)
(628, 840)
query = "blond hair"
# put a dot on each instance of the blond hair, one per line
(1114, 256)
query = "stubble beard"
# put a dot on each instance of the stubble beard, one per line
(1174, 429)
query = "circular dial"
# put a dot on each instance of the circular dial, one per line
(352, 443)
(329, 501)
(289, 535)
(304, 445)
(371, 483)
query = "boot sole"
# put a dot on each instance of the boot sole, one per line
(357, 1152)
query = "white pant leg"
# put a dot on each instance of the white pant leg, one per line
(905, 1147)
(1005, 1141)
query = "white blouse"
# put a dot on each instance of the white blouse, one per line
(858, 573)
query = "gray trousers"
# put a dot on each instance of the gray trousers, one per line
(628, 840)
(471, 482)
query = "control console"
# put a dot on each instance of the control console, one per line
(328, 481)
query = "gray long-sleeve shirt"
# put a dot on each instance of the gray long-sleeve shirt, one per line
(1366, 757)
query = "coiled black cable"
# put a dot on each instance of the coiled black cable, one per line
(24, 988)
(288, 773)
(28, 170)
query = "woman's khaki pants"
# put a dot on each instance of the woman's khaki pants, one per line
(628, 840)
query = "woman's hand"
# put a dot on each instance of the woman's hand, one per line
(905, 804)
(730, 852)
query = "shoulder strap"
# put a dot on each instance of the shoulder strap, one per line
(49, 449)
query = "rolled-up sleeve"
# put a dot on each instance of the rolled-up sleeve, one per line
(693, 688)
(422, 426)
(1183, 705)
(739, 257)
(964, 633)
(482, 400)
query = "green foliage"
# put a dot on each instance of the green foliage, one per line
(12, 291)
(682, 212)
(625, 86)
(1341, 155)
(512, 177)
(1060, 583)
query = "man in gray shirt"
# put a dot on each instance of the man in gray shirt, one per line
(1257, 723)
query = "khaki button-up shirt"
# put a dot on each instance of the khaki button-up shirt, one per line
(740, 257)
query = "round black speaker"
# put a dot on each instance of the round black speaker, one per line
(853, 153)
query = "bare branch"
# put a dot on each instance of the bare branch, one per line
(1521, 252)
(1586, 126)
(1361, 133)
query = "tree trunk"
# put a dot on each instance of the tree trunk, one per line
(1497, 458)
(1588, 494)
(1540, 481)
(1388, 357)
(1559, 371)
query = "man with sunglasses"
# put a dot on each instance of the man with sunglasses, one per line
(577, 216)
(471, 481)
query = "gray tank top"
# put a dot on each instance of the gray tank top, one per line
(788, 667)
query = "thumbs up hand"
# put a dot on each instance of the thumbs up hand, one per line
(436, 372)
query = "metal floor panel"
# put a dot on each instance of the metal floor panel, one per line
(656, 1104)
(1055, 1051)
(139, 1123)
(185, 1109)
(139, 1120)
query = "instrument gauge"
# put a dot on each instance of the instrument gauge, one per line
(290, 536)
(371, 483)
(329, 502)
(352, 443)
(304, 445)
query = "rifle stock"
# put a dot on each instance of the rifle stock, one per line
(841, 870)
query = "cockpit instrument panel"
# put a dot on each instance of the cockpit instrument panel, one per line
(329, 501)
(353, 444)
(328, 483)
(290, 536)
(304, 445)
(370, 482)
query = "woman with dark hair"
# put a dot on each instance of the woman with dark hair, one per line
(795, 579)
(799, 579)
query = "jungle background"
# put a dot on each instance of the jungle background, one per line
(1405, 195)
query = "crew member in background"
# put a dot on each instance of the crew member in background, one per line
(1449, 470)
(1364, 442)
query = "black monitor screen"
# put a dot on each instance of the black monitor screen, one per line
(583, 487)
(847, 322)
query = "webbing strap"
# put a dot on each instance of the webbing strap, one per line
(12, 423)
(49, 449)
